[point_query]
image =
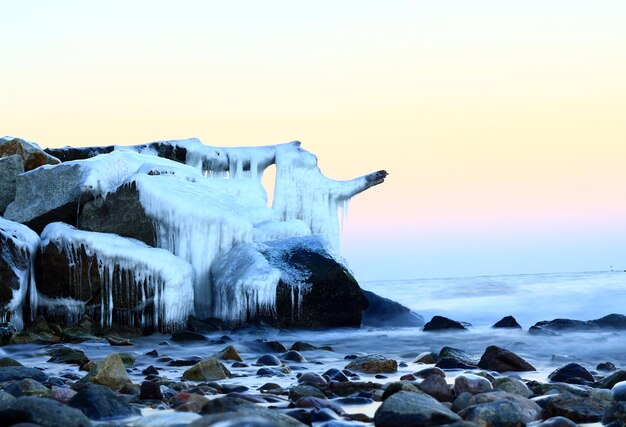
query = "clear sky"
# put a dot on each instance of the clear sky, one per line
(502, 124)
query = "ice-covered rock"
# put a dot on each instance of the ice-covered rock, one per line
(31, 153)
(113, 279)
(10, 168)
(18, 248)
(295, 282)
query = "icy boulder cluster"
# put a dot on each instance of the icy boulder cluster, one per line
(145, 235)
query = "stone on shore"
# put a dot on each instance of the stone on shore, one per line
(17, 373)
(440, 323)
(501, 360)
(507, 322)
(373, 364)
(109, 372)
(43, 412)
(570, 371)
(100, 403)
(406, 408)
(383, 312)
(238, 408)
(471, 383)
(206, 370)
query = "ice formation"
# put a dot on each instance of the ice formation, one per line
(156, 283)
(26, 242)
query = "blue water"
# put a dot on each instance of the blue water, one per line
(528, 297)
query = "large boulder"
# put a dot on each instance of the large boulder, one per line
(406, 408)
(18, 248)
(385, 312)
(112, 279)
(10, 168)
(32, 155)
(42, 412)
(293, 282)
(502, 360)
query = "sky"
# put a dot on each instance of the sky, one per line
(502, 124)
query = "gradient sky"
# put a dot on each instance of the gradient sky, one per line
(502, 124)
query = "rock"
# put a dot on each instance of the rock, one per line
(188, 336)
(74, 265)
(115, 340)
(302, 346)
(27, 387)
(611, 380)
(109, 372)
(557, 422)
(499, 413)
(7, 361)
(303, 390)
(440, 323)
(570, 371)
(10, 168)
(294, 356)
(67, 154)
(268, 360)
(394, 387)
(458, 355)
(537, 330)
(576, 408)
(619, 392)
(43, 412)
(413, 409)
(7, 329)
(527, 410)
(606, 366)
(424, 373)
(31, 154)
(373, 364)
(437, 387)
(449, 363)
(229, 353)
(311, 378)
(512, 385)
(612, 321)
(100, 403)
(261, 346)
(616, 415)
(501, 360)
(206, 370)
(427, 358)
(68, 355)
(385, 312)
(239, 408)
(471, 383)
(204, 326)
(150, 391)
(17, 373)
(18, 248)
(507, 322)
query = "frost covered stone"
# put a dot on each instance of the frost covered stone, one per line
(113, 279)
(18, 248)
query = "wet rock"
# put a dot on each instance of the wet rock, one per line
(240, 408)
(294, 356)
(268, 360)
(229, 353)
(458, 355)
(462, 401)
(302, 346)
(302, 390)
(397, 386)
(373, 364)
(606, 366)
(115, 340)
(512, 385)
(150, 370)
(27, 387)
(424, 373)
(385, 312)
(528, 410)
(471, 383)
(427, 358)
(437, 387)
(7, 361)
(557, 422)
(109, 372)
(612, 379)
(68, 355)
(312, 378)
(7, 329)
(576, 408)
(188, 336)
(100, 403)
(499, 413)
(10, 167)
(42, 411)
(448, 363)
(619, 392)
(612, 321)
(538, 330)
(440, 323)
(507, 322)
(413, 409)
(17, 373)
(204, 326)
(206, 370)
(184, 362)
(235, 420)
(570, 371)
(616, 415)
(150, 391)
(501, 360)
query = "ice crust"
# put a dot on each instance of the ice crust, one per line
(154, 275)
(27, 242)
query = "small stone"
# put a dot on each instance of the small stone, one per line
(424, 373)
(109, 372)
(303, 390)
(69, 355)
(268, 360)
(449, 363)
(150, 391)
(557, 422)
(43, 412)
(7, 361)
(152, 353)
(188, 336)
(150, 370)
(576, 408)
(373, 364)
(17, 373)
(115, 340)
(294, 356)
(606, 366)
(397, 386)
(471, 383)
(427, 358)
(512, 385)
(27, 387)
(302, 346)
(206, 370)
(499, 413)
(458, 355)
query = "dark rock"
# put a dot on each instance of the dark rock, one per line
(501, 360)
(507, 322)
(512, 385)
(424, 373)
(150, 391)
(27, 387)
(7, 361)
(385, 312)
(42, 411)
(229, 353)
(7, 329)
(261, 345)
(612, 321)
(184, 362)
(576, 408)
(373, 364)
(67, 154)
(204, 326)
(569, 371)
(449, 363)
(458, 355)
(472, 384)
(437, 387)
(268, 360)
(619, 392)
(150, 370)
(17, 373)
(10, 168)
(153, 353)
(440, 323)
(527, 410)
(240, 408)
(294, 356)
(538, 330)
(100, 403)
(302, 346)
(413, 409)
(114, 340)
(612, 379)
(499, 413)
(396, 386)
(188, 336)
(303, 390)
(606, 366)
(427, 358)
(616, 414)
(312, 378)
(557, 422)
(68, 355)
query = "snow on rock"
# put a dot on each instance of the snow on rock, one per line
(113, 279)
(18, 248)
(32, 155)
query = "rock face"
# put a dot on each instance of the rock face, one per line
(406, 408)
(385, 312)
(502, 360)
(10, 168)
(112, 279)
(18, 248)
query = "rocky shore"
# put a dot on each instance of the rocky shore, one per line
(260, 376)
